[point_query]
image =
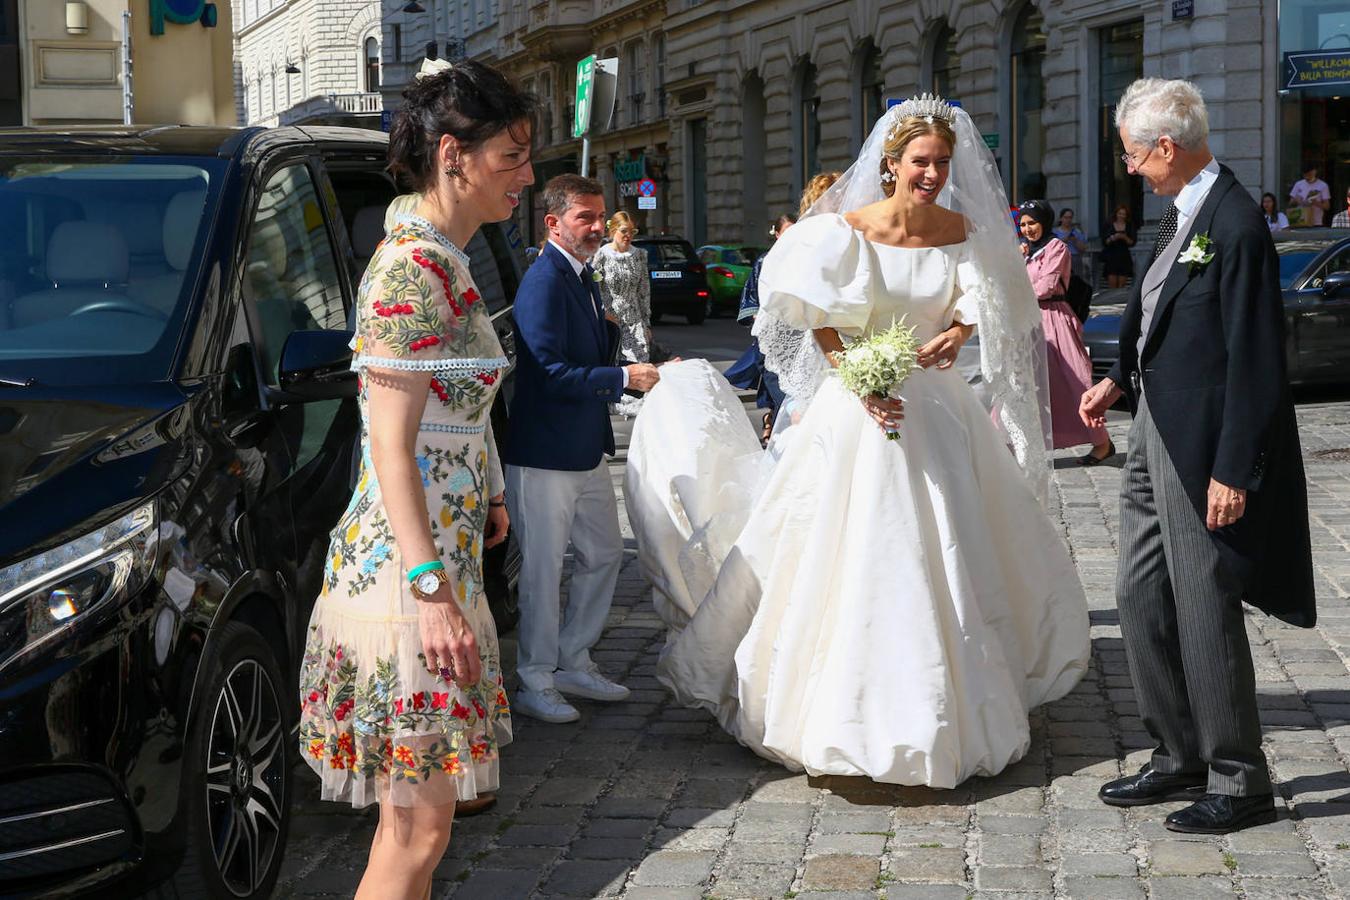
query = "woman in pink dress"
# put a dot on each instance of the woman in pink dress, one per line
(1070, 370)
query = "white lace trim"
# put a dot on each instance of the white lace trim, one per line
(435, 234)
(454, 367)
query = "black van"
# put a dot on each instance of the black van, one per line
(177, 437)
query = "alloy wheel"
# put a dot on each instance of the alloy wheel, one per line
(245, 778)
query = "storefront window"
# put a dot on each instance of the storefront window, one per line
(1314, 105)
(1120, 60)
(1028, 104)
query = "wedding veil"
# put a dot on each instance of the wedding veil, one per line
(1011, 338)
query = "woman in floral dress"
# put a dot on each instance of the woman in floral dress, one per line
(401, 685)
(627, 291)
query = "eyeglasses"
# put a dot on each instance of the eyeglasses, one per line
(1129, 162)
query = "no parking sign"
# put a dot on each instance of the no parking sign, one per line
(646, 188)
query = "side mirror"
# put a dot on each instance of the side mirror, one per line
(316, 365)
(1336, 286)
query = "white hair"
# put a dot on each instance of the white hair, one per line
(1153, 107)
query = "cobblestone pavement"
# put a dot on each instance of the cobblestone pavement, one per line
(649, 801)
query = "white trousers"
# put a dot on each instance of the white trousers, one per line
(549, 509)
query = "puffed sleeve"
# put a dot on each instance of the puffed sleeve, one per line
(411, 312)
(818, 275)
(965, 305)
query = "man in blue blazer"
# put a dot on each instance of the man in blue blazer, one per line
(558, 487)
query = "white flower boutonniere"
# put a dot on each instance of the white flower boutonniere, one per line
(597, 277)
(1198, 253)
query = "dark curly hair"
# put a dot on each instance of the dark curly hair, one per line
(471, 101)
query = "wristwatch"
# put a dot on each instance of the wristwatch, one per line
(428, 583)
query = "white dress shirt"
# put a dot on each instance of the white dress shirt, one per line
(577, 267)
(1193, 195)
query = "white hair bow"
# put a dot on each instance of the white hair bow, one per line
(432, 67)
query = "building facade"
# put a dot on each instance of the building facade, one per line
(313, 61)
(62, 63)
(743, 100)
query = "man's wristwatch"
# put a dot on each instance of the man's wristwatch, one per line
(427, 583)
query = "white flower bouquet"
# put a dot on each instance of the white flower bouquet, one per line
(879, 363)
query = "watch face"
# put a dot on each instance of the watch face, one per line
(427, 582)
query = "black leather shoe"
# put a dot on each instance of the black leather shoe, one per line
(1220, 814)
(1152, 787)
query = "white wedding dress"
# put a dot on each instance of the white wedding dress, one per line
(859, 606)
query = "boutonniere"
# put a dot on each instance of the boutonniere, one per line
(1198, 253)
(597, 277)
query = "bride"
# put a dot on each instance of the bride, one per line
(844, 603)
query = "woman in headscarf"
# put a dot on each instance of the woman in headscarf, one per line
(1049, 265)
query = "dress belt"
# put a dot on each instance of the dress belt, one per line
(439, 427)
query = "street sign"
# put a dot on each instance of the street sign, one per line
(581, 125)
(990, 140)
(1183, 9)
(646, 188)
(386, 119)
(646, 203)
(1316, 68)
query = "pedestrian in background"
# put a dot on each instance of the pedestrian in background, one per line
(1311, 196)
(1068, 366)
(1117, 239)
(1270, 208)
(1342, 218)
(626, 289)
(401, 687)
(1067, 230)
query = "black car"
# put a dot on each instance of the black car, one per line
(1315, 278)
(177, 436)
(679, 282)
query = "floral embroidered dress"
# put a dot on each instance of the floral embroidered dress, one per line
(374, 723)
(627, 291)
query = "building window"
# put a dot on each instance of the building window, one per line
(635, 63)
(754, 139)
(659, 86)
(1120, 60)
(546, 102)
(1314, 122)
(944, 63)
(372, 67)
(806, 125)
(397, 33)
(1027, 143)
(869, 86)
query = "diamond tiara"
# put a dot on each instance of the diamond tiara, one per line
(927, 107)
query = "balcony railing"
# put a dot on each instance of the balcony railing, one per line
(364, 103)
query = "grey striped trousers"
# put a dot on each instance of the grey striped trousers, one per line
(1181, 618)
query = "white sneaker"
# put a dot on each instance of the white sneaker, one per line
(547, 706)
(589, 684)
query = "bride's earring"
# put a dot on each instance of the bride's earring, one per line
(888, 177)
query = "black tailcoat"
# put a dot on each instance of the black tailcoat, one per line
(1213, 369)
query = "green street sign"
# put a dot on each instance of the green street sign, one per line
(991, 140)
(585, 92)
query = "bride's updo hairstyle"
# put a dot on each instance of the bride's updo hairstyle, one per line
(907, 130)
(469, 101)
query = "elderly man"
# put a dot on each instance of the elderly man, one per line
(1213, 505)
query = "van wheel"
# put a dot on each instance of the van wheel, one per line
(237, 783)
(696, 318)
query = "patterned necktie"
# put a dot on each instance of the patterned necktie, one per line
(1167, 229)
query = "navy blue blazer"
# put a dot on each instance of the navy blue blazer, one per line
(564, 382)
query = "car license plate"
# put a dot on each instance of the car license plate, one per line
(665, 274)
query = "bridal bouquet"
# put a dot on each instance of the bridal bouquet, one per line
(879, 363)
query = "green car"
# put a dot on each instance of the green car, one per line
(728, 266)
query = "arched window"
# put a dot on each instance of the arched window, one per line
(546, 101)
(372, 65)
(805, 125)
(1027, 143)
(869, 85)
(945, 62)
(659, 76)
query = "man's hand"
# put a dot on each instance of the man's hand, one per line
(1226, 505)
(642, 376)
(1096, 401)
